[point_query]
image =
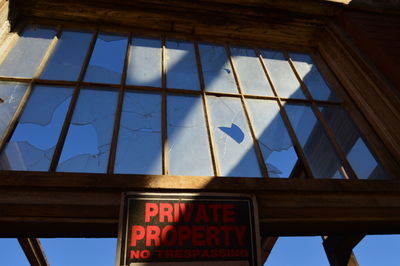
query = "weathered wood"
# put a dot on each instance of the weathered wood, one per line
(339, 249)
(286, 206)
(33, 251)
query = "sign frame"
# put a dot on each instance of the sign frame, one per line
(201, 196)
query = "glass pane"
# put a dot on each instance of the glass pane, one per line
(282, 75)
(188, 146)
(217, 70)
(67, 58)
(311, 76)
(26, 55)
(107, 61)
(181, 66)
(276, 145)
(87, 145)
(317, 148)
(10, 96)
(361, 159)
(145, 63)
(251, 75)
(139, 139)
(32, 144)
(232, 138)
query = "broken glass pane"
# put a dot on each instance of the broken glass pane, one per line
(107, 61)
(33, 142)
(181, 66)
(67, 58)
(188, 146)
(26, 55)
(251, 75)
(311, 76)
(360, 157)
(234, 144)
(10, 96)
(275, 143)
(144, 67)
(217, 71)
(87, 146)
(317, 148)
(139, 139)
(282, 75)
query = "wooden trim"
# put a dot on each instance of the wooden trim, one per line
(33, 251)
(164, 125)
(339, 249)
(267, 244)
(367, 92)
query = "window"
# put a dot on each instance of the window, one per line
(101, 102)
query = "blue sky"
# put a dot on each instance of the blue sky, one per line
(378, 250)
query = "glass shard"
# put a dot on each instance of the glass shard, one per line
(25, 57)
(107, 61)
(181, 66)
(32, 144)
(139, 139)
(67, 58)
(273, 137)
(236, 156)
(144, 67)
(317, 148)
(10, 95)
(188, 146)
(251, 75)
(283, 78)
(311, 76)
(217, 71)
(87, 146)
(358, 154)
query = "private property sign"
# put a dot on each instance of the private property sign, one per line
(188, 229)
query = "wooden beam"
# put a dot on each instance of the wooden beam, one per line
(267, 244)
(79, 204)
(339, 249)
(33, 251)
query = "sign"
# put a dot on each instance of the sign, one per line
(186, 229)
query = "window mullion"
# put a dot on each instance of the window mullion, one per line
(68, 117)
(117, 120)
(206, 112)
(285, 118)
(257, 148)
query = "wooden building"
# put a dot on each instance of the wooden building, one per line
(334, 62)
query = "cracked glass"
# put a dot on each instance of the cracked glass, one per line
(357, 152)
(32, 144)
(282, 76)
(249, 69)
(107, 61)
(66, 61)
(11, 94)
(232, 138)
(144, 67)
(317, 148)
(87, 145)
(217, 70)
(181, 66)
(28, 52)
(311, 76)
(139, 139)
(188, 146)
(275, 143)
